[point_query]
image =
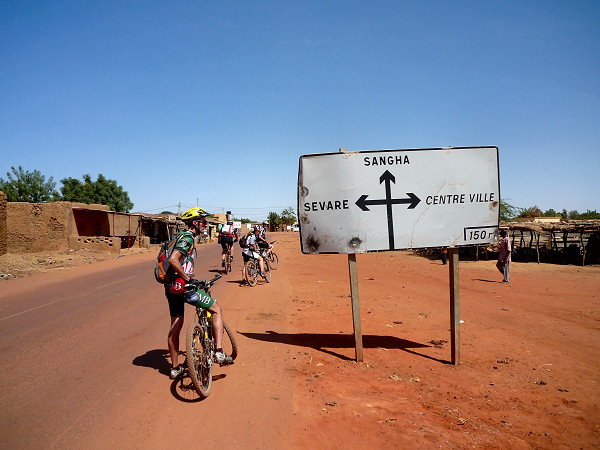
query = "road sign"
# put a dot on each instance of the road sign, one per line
(355, 202)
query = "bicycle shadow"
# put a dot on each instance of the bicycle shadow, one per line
(181, 388)
(324, 342)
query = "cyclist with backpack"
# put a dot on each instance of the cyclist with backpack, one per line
(261, 240)
(181, 269)
(249, 250)
(227, 236)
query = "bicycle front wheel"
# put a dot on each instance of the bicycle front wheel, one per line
(229, 344)
(198, 359)
(273, 260)
(267, 272)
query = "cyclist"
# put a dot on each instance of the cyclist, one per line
(250, 251)
(261, 240)
(227, 236)
(182, 263)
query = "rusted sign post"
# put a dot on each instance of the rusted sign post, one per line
(454, 307)
(355, 307)
(385, 200)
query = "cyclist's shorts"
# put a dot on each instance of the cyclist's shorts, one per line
(176, 302)
(249, 255)
(226, 240)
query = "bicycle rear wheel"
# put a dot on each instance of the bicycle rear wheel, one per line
(273, 260)
(198, 359)
(251, 272)
(227, 264)
(229, 344)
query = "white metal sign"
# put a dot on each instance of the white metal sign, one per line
(354, 202)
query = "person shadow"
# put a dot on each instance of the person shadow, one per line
(157, 359)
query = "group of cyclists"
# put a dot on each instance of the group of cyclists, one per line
(254, 242)
(185, 289)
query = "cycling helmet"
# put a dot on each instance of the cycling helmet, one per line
(193, 214)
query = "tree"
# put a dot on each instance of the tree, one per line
(550, 213)
(589, 215)
(288, 216)
(274, 220)
(102, 191)
(507, 211)
(25, 186)
(532, 211)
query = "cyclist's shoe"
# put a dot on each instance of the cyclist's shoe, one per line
(264, 275)
(223, 359)
(176, 372)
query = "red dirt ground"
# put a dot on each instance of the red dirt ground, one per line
(528, 377)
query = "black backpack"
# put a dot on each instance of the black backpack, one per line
(243, 240)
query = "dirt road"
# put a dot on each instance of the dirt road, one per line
(83, 358)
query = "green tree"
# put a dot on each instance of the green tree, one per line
(573, 214)
(589, 215)
(102, 191)
(507, 211)
(274, 220)
(25, 186)
(550, 213)
(288, 216)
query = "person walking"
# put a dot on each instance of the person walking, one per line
(504, 256)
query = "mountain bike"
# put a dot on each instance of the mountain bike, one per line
(252, 269)
(201, 345)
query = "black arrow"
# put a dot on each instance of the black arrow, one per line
(363, 203)
(388, 178)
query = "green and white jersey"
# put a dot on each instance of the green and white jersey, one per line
(185, 245)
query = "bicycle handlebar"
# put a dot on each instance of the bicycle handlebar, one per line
(201, 283)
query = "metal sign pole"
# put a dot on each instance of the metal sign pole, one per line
(355, 306)
(454, 306)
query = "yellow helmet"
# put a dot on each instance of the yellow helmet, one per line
(193, 214)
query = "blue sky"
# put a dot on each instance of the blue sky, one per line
(214, 102)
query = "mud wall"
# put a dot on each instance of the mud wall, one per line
(35, 227)
(3, 236)
(39, 227)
